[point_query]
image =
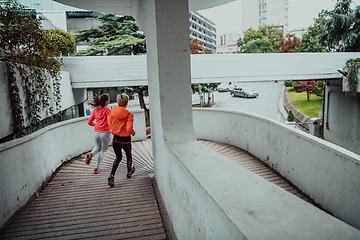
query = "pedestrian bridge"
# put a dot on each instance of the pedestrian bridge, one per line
(115, 71)
(256, 183)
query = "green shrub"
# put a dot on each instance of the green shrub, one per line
(291, 117)
(288, 83)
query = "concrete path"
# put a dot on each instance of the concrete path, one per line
(78, 204)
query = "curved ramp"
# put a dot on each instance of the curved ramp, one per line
(78, 204)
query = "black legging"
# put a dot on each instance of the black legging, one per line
(118, 144)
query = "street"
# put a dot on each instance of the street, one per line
(266, 104)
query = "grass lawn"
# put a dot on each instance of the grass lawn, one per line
(311, 108)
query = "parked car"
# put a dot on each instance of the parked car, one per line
(243, 92)
(225, 87)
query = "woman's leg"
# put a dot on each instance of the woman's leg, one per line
(104, 144)
(127, 149)
(97, 141)
(117, 150)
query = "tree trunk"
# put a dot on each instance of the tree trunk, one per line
(142, 104)
(308, 96)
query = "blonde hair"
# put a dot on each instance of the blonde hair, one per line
(122, 99)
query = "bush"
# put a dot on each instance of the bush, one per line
(288, 83)
(291, 117)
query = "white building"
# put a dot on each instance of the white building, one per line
(264, 12)
(227, 43)
(71, 19)
(202, 29)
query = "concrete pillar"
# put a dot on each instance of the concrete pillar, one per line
(314, 127)
(166, 26)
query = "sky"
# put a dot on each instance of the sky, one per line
(301, 14)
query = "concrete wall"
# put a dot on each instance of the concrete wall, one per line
(25, 165)
(69, 98)
(324, 171)
(5, 110)
(342, 117)
(299, 116)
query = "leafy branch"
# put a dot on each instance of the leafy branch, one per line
(35, 55)
(352, 66)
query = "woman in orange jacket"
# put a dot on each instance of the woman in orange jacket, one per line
(121, 124)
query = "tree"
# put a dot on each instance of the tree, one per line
(28, 49)
(291, 117)
(264, 40)
(140, 90)
(61, 42)
(309, 41)
(116, 36)
(289, 44)
(342, 23)
(195, 46)
(288, 83)
(305, 86)
(319, 89)
(205, 88)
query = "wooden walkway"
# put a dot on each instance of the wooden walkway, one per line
(78, 204)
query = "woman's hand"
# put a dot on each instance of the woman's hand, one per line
(133, 133)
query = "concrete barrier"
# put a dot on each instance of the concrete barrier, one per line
(326, 172)
(27, 162)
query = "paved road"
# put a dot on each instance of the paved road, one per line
(266, 104)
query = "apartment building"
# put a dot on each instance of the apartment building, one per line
(202, 29)
(227, 43)
(265, 12)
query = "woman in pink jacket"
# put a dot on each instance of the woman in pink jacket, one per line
(102, 134)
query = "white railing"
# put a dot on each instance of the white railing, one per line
(326, 172)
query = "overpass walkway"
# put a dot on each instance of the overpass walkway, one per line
(78, 204)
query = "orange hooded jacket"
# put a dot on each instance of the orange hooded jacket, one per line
(121, 122)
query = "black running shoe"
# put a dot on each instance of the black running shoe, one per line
(129, 174)
(111, 181)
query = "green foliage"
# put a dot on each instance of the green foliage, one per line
(291, 117)
(319, 89)
(59, 41)
(116, 36)
(310, 108)
(309, 42)
(342, 22)
(288, 83)
(29, 50)
(264, 40)
(352, 67)
(147, 122)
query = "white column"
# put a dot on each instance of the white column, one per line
(166, 26)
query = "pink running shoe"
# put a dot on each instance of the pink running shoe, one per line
(88, 158)
(97, 170)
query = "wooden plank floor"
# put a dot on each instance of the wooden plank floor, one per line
(78, 204)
